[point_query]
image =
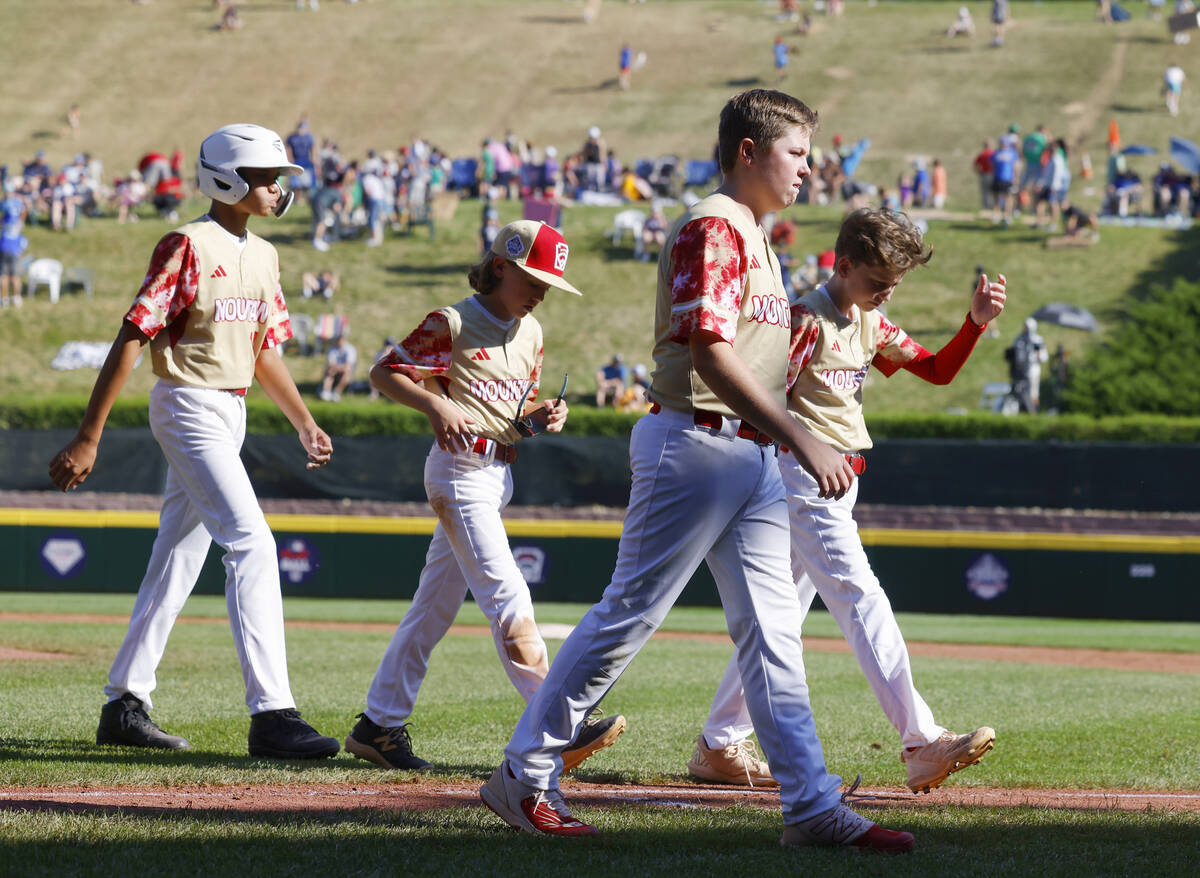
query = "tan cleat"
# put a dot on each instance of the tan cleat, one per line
(928, 766)
(736, 764)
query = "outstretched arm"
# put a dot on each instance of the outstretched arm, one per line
(986, 304)
(276, 381)
(73, 464)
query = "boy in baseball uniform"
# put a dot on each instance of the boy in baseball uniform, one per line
(706, 488)
(838, 333)
(474, 370)
(213, 313)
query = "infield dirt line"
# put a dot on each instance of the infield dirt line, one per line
(432, 796)
(1110, 659)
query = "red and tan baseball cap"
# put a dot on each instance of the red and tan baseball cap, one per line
(538, 249)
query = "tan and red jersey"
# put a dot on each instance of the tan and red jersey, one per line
(210, 305)
(482, 363)
(717, 273)
(831, 354)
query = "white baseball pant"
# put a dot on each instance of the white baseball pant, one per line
(697, 495)
(208, 496)
(469, 550)
(828, 559)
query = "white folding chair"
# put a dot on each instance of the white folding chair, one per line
(44, 271)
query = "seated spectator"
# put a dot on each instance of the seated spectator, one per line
(339, 369)
(1125, 190)
(634, 398)
(62, 205)
(230, 20)
(611, 381)
(129, 193)
(634, 188)
(963, 26)
(654, 233)
(1172, 193)
(319, 285)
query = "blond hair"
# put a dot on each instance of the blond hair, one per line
(482, 275)
(882, 238)
(763, 116)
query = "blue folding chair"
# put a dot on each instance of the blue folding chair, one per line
(463, 173)
(699, 171)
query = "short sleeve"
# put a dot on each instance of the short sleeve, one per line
(708, 276)
(279, 323)
(425, 352)
(169, 287)
(805, 335)
(893, 347)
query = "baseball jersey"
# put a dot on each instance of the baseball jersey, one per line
(831, 354)
(717, 273)
(483, 363)
(219, 303)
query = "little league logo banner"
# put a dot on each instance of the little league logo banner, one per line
(298, 560)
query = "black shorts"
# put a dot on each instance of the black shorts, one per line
(1001, 187)
(10, 264)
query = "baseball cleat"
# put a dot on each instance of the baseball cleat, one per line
(124, 722)
(842, 827)
(541, 812)
(928, 766)
(596, 733)
(282, 734)
(389, 747)
(736, 764)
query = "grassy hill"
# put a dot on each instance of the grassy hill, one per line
(374, 74)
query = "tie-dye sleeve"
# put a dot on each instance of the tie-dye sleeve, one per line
(708, 276)
(425, 352)
(279, 323)
(805, 335)
(169, 287)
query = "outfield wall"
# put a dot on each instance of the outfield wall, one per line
(586, 470)
(1036, 574)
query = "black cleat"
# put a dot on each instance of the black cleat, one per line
(281, 734)
(124, 722)
(391, 748)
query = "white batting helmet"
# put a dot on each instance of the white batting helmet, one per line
(238, 146)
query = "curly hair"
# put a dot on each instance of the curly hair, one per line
(882, 238)
(482, 275)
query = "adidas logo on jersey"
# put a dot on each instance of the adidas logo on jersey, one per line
(754, 261)
(480, 354)
(220, 272)
(836, 346)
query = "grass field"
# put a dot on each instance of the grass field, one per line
(375, 74)
(1058, 727)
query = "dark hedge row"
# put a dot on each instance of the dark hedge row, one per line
(362, 418)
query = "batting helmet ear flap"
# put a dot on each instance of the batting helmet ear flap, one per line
(220, 184)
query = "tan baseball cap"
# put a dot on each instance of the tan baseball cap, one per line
(540, 250)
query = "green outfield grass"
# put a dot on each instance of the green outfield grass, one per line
(1057, 727)
(375, 74)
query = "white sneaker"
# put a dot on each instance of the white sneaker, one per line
(541, 812)
(736, 764)
(321, 244)
(928, 766)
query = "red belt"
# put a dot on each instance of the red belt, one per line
(236, 391)
(858, 463)
(715, 420)
(503, 453)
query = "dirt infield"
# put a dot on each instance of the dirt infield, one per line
(1112, 659)
(427, 796)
